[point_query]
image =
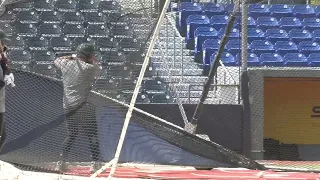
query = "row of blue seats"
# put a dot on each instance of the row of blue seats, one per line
(273, 35)
(270, 60)
(255, 10)
(263, 23)
(258, 47)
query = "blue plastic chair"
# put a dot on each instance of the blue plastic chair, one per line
(233, 46)
(226, 58)
(295, 60)
(234, 34)
(258, 10)
(201, 34)
(209, 46)
(284, 47)
(265, 23)
(271, 59)
(280, 10)
(317, 11)
(288, 23)
(299, 35)
(303, 11)
(184, 12)
(255, 34)
(308, 47)
(261, 46)
(212, 9)
(311, 24)
(314, 59)
(274, 35)
(193, 22)
(316, 35)
(219, 21)
(253, 60)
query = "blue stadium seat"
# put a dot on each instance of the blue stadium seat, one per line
(274, 35)
(184, 13)
(37, 43)
(97, 30)
(29, 30)
(50, 17)
(280, 10)
(61, 44)
(8, 16)
(22, 6)
(8, 28)
(219, 21)
(201, 34)
(161, 98)
(66, 5)
(233, 46)
(271, 59)
(74, 30)
(122, 31)
(253, 59)
(265, 23)
(129, 45)
(311, 24)
(258, 10)
(295, 60)
(193, 22)
(261, 46)
(109, 6)
(88, 5)
(288, 23)
(284, 47)
(317, 11)
(106, 44)
(119, 71)
(43, 56)
(154, 85)
(212, 9)
(303, 11)
(95, 17)
(314, 59)
(50, 30)
(209, 46)
(299, 35)
(228, 8)
(255, 34)
(16, 43)
(73, 18)
(29, 17)
(42, 6)
(316, 35)
(113, 57)
(227, 59)
(20, 59)
(234, 34)
(308, 47)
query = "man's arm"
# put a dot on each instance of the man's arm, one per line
(60, 61)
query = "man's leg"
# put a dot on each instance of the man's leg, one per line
(92, 133)
(2, 131)
(72, 133)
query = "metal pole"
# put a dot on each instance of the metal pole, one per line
(244, 36)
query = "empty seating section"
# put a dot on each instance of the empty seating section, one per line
(279, 35)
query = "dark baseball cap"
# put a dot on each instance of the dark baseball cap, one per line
(3, 36)
(86, 50)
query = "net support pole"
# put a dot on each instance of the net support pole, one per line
(137, 88)
(244, 83)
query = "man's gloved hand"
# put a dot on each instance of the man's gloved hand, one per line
(9, 79)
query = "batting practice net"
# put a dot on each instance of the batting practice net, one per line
(202, 84)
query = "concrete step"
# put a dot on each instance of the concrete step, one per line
(178, 65)
(184, 79)
(166, 45)
(196, 101)
(170, 58)
(194, 94)
(172, 52)
(177, 72)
